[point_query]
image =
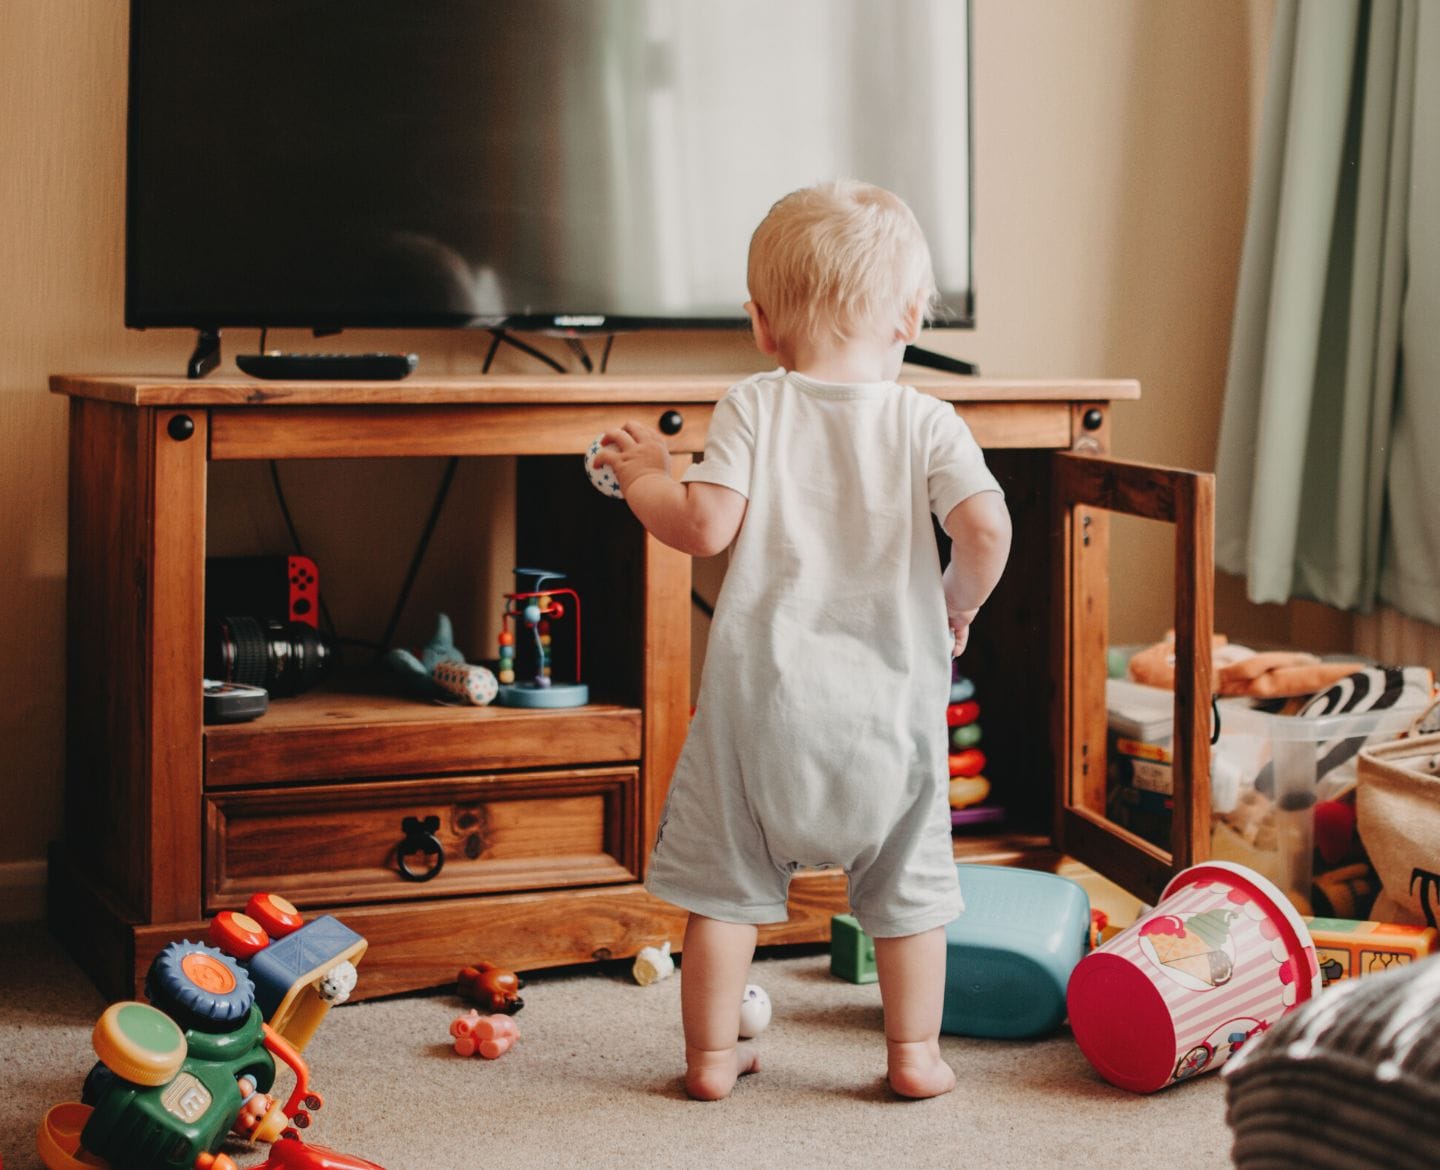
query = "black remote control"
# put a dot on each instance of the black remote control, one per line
(339, 367)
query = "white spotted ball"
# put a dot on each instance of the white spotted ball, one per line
(754, 1011)
(602, 477)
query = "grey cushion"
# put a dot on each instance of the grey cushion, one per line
(1350, 1079)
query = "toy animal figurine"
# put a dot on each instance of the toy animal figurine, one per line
(653, 964)
(491, 987)
(441, 672)
(337, 983)
(487, 1036)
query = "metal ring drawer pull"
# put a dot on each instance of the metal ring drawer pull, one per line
(419, 840)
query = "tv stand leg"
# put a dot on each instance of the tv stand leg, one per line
(207, 354)
(938, 361)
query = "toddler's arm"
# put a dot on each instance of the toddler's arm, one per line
(979, 529)
(700, 519)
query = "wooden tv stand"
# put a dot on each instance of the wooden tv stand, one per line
(546, 817)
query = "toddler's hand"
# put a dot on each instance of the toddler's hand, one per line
(960, 631)
(632, 452)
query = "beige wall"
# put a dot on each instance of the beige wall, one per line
(1113, 140)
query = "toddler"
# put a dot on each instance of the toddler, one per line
(819, 732)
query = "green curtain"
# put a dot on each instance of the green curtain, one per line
(1328, 467)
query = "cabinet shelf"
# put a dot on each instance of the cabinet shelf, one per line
(328, 735)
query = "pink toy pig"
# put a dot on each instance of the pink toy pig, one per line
(487, 1036)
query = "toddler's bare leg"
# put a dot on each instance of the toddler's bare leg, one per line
(912, 988)
(713, 970)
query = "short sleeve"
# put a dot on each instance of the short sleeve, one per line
(955, 467)
(729, 448)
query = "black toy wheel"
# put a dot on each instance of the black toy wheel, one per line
(199, 985)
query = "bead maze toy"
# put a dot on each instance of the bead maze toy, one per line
(535, 605)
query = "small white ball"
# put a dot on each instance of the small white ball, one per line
(754, 1012)
(602, 477)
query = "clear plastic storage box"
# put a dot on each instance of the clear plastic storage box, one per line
(1268, 772)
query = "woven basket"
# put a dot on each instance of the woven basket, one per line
(1397, 806)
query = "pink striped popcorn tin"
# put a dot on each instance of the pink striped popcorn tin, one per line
(1222, 957)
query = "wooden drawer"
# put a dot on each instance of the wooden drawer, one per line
(345, 843)
(323, 736)
(318, 432)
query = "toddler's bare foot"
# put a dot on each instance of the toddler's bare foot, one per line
(710, 1075)
(916, 1068)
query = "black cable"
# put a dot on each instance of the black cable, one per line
(605, 353)
(264, 332)
(525, 347)
(490, 353)
(701, 604)
(577, 347)
(424, 543)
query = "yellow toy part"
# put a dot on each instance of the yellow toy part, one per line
(58, 1142)
(139, 1043)
(968, 790)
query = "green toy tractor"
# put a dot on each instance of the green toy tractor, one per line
(177, 1075)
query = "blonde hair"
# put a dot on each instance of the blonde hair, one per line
(835, 259)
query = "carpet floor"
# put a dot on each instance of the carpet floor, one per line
(594, 1082)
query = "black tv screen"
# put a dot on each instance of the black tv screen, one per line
(535, 164)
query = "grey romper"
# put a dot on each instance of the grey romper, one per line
(819, 734)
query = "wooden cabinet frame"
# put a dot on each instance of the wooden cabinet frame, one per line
(1086, 490)
(131, 870)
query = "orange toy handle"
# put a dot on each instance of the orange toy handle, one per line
(274, 1122)
(282, 1048)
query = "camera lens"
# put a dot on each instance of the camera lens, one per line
(283, 657)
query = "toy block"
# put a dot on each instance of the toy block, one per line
(852, 951)
(1348, 948)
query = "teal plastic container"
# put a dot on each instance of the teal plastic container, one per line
(1008, 957)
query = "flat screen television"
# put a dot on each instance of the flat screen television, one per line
(562, 165)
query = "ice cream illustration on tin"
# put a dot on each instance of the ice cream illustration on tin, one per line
(1195, 950)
